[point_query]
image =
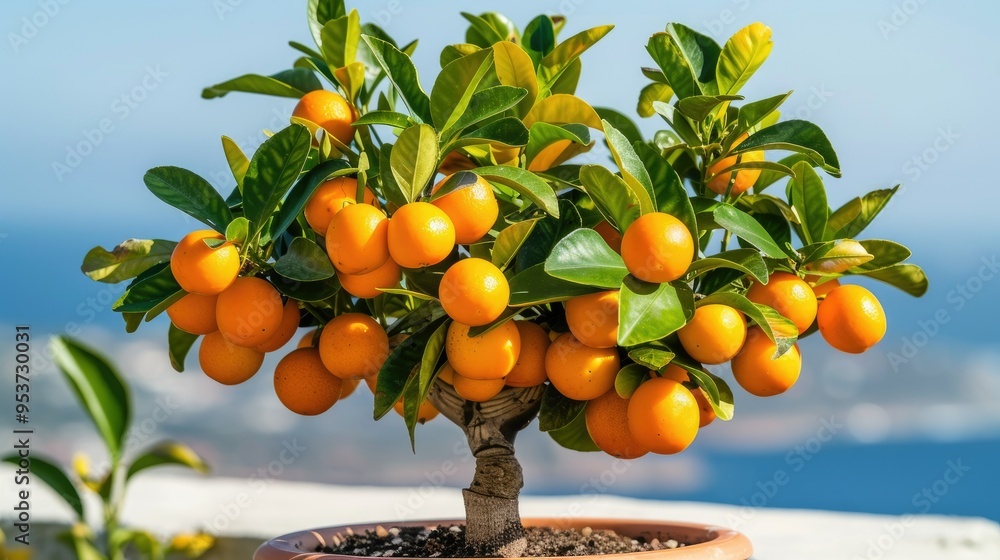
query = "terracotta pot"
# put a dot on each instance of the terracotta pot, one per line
(715, 543)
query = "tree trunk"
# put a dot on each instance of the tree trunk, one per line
(492, 520)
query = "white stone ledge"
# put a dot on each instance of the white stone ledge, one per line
(243, 513)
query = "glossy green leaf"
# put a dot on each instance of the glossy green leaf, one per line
(293, 83)
(275, 166)
(148, 290)
(403, 75)
(807, 196)
(633, 171)
(629, 378)
(741, 56)
(650, 94)
(744, 226)
(547, 233)
(305, 261)
(167, 453)
(542, 135)
(308, 292)
(514, 68)
(427, 373)
(189, 193)
(414, 159)
(648, 312)
(554, 64)
(506, 131)
(907, 277)
(782, 332)
(487, 103)
(651, 357)
(340, 37)
(509, 241)
(720, 396)
(585, 258)
(671, 197)
(55, 478)
(744, 260)
(525, 183)
(700, 51)
(455, 85)
(699, 107)
(557, 411)
(621, 123)
(616, 202)
(98, 388)
(796, 136)
(533, 286)
(887, 253)
(238, 231)
(400, 365)
(769, 177)
(303, 190)
(575, 436)
(668, 55)
(178, 345)
(387, 118)
(483, 32)
(238, 161)
(127, 260)
(857, 214)
(539, 39)
(319, 12)
(751, 114)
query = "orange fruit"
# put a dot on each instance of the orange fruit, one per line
(425, 412)
(304, 385)
(353, 345)
(420, 234)
(368, 285)
(473, 209)
(759, 374)
(249, 312)
(447, 374)
(578, 371)
(331, 197)
(477, 390)
(490, 355)
(593, 318)
(663, 416)
(289, 325)
(821, 289)
(715, 334)
(194, 313)
(329, 111)
(307, 340)
(529, 370)
(657, 248)
(549, 156)
(789, 295)
(851, 319)
(226, 362)
(607, 424)
(610, 235)
(357, 240)
(347, 387)
(745, 178)
(474, 292)
(200, 269)
(705, 410)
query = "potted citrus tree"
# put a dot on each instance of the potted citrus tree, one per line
(442, 246)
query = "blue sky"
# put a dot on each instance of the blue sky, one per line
(903, 89)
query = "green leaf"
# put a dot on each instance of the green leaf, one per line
(651, 357)
(782, 332)
(751, 114)
(127, 260)
(741, 56)
(190, 194)
(305, 261)
(167, 453)
(403, 75)
(584, 257)
(455, 85)
(542, 135)
(339, 39)
(887, 253)
(701, 53)
(557, 411)
(621, 122)
(796, 136)
(425, 378)
(769, 177)
(308, 292)
(533, 286)
(720, 396)
(554, 64)
(539, 39)
(506, 131)
(273, 169)
(699, 107)
(616, 202)
(629, 378)
(486, 103)
(547, 233)
(808, 197)
(745, 227)
(400, 365)
(744, 260)
(648, 312)
(514, 68)
(414, 159)
(238, 231)
(509, 241)
(482, 32)
(387, 118)
(671, 197)
(303, 190)
(668, 55)
(632, 169)
(390, 189)
(148, 290)
(98, 388)
(650, 94)
(575, 435)
(907, 277)
(857, 214)
(293, 83)
(451, 53)
(526, 183)
(319, 12)
(238, 161)
(56, 479)
(179, 344)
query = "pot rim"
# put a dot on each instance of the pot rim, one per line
(714, 541)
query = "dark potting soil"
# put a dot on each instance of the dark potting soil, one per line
(449, 542)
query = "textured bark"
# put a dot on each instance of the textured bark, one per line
(493, 522)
